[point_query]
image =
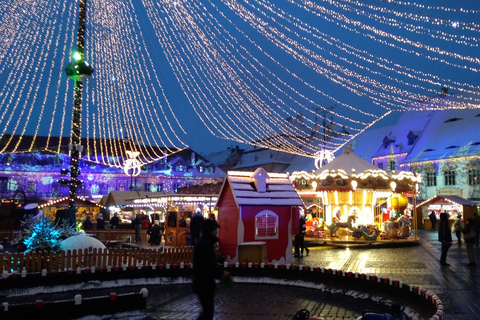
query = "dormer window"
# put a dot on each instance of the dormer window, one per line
(452, 120)
(412, 137)
(387, 141)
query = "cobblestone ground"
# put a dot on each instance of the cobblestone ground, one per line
(457, 286)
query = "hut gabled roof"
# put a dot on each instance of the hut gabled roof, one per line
(279, 190)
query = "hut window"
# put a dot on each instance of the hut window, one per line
(266, 225)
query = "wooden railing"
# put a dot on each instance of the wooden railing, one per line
(105, 236)
(98, 258)
(119, 235)
(9, 234)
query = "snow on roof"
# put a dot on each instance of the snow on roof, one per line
(279, 191)
(218, 158)
(346, 162)
(362, 144)
(447, 134)
(258, 157)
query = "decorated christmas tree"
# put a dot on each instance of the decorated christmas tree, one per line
(39, 234)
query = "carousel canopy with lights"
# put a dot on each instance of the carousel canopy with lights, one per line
(349, 183)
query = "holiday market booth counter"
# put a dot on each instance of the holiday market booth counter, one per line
(453, 205)
(177, 211)
(353, 194)
(120, 202)
(56, 209)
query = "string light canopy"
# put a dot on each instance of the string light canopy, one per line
(259, 72)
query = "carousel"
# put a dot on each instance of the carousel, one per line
(359, 202)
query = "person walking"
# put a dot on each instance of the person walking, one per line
(469, 235)
(445, 237)
(457, 228)
(476, 225)
(433, 219)
(196, 225)
(206, 269)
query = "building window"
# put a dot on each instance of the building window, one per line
(175, 187)
(180, 168)
(380, 165)
(147, 186)
(391, 165)
(266, 225)
(32, 186)
(431, 179)
(450, 178)
(159, 187)
(473, 177)
(121, 186)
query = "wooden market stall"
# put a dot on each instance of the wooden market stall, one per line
(453, 205)
(258, 213)
(84, 206)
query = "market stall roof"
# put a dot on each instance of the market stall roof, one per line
(63, 202)
(119, 198)
(346, 162)
(456, 200)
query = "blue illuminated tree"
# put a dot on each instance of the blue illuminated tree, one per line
(41, 236)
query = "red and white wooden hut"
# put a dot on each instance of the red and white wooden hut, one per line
(258, 209)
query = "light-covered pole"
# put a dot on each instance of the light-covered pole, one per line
(78, 70)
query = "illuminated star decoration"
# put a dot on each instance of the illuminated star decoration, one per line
(132, 166)
(321, 156)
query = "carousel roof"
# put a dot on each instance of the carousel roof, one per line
(346, 162)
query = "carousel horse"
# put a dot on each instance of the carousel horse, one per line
(349, 224)
(362, 231)
(398, 228)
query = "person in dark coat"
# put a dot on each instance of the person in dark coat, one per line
(206, 269)
(114, 221)
(137, 224)
(87, 224)
(433, 219)
(445, 237)
(469, 236)
(196, 226)
(155, 232)
(300, 238)
(476, 225)
(100, 222)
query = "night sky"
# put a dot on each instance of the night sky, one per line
(213, 74)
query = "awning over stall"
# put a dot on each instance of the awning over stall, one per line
(447, 200)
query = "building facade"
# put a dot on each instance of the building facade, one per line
(40, 175)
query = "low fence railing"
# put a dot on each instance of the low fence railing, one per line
(120, 235)
(98, 258)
